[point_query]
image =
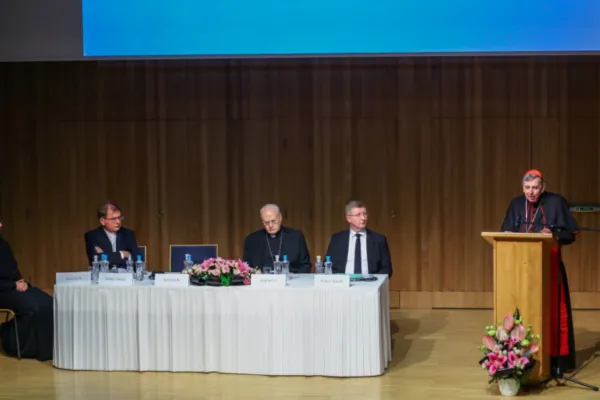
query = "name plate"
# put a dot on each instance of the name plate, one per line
(74, 278)
(112, 279)
(172, 280)
(268, 281)
(338, 280)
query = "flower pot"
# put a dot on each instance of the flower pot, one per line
(196, 280)
(508, 386)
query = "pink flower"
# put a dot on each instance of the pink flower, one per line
(512, 359)
(247, 280)
(236, 271)
(495, 361)
(534, 348)
(502, 334)
(512, 342)
(490, 342)
(508, 322)
(518, 333)
(225, 269)
(522, 362)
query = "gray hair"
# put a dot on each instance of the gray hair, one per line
(530, 177)
(354, 204)
(270, 205)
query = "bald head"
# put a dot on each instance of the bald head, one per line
(271, 218)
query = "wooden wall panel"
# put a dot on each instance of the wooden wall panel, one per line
(191, 149)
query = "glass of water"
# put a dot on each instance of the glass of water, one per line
(267, 270)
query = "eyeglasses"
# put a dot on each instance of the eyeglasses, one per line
(359, 215)
(271, 222)
(119, 218)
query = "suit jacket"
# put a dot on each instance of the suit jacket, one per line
(256, 251)
(378, 253)
(9, 269)
(126, 240)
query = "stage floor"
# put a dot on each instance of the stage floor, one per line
(435, 357)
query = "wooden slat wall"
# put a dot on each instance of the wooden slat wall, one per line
(192, 149)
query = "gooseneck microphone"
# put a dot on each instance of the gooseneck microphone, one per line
(517, 224)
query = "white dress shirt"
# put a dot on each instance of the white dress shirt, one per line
(112, 237)
(363, 252)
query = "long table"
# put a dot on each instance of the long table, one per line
(296, 330)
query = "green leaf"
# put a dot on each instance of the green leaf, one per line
(225, 279)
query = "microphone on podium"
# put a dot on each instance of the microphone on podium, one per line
(517, 224)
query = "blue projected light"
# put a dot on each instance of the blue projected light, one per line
(320, 27)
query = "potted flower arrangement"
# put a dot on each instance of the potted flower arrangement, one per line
(509, 349)
(220, 272)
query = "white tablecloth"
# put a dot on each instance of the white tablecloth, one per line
(296, 330)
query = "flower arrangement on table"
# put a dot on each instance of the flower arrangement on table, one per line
(221, 272)
(509, 349)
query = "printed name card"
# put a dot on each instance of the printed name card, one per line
(172, 280)
(74, 278)
(112, 279)
(268, 280)
(337, 280)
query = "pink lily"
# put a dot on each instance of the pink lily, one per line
(495, 361)
(511, 342)
(512, 359)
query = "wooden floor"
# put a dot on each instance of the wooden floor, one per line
(435, 357)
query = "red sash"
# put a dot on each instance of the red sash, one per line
(555, 259)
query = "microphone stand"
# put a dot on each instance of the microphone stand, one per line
(557, 373)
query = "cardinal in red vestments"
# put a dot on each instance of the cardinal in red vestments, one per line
(538, 210)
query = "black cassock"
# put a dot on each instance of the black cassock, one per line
(33, 308)
(551, 211)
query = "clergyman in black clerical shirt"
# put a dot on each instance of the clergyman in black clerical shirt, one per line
(261, 247)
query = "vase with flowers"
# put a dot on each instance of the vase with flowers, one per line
(221, 272)
(508, 352)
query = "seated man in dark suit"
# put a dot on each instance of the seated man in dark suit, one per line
(111, 238)
(370, 256)
(33, 309)
(261, 247)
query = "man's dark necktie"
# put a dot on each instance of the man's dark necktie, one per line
(357, 256)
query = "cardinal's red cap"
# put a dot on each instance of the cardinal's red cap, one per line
(535, 172)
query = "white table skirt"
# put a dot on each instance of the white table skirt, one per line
(297, 330)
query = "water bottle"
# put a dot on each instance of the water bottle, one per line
(129, 264)
(328, 265)
(285, 265)
(139, 269)
(277, 265)
(188, 263)
(104, 263)
(319, 265)
(95, 269)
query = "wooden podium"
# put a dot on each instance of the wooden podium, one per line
(522, 279)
